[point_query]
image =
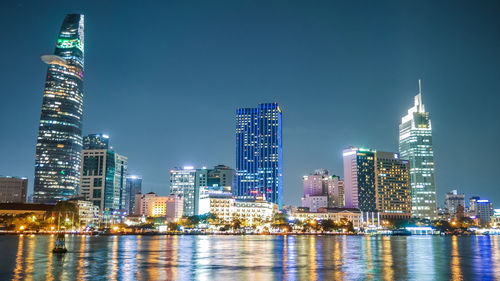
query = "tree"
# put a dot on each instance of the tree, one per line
(442, 225)
(66, 214)
(236, 224)
(280, 220)
(189, 222)
(327, 225)
(346, 224)
(173, 226)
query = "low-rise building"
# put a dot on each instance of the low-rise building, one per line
(251, 209)
(227, 208)
(222, 205)
(314, 202)
(87, 212)
(334, 214)
(151, 205)
(13, 209)
(496, 218)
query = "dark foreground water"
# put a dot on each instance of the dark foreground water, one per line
(251, 258)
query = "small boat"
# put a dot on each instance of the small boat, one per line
(401, 232)
(60, 247)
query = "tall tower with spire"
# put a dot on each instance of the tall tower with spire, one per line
(59, 142)
(415, 145)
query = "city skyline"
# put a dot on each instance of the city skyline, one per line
(303, 119)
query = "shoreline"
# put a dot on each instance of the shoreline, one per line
(225, 234)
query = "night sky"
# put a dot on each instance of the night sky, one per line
(164, 80)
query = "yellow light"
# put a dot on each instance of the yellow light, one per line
(115, 228)
(22, 227)
(52, 228)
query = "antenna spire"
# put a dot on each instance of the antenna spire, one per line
(419, 86)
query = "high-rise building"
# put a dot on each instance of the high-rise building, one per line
(196, 185)
(13, 189)
(259, 153)
(484, 211)
(452, 202)
(221, 178)
(59, 142)
(336, 192)
(393, 192)
(376, 181)
(134, 186)
(315, 184)
(359, 179)
(96, 141)
(182, 182)
(103, 179)
(473, 205)
(415, 145)
(322, 190)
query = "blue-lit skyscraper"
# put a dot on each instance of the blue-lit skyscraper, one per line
(259, 152)
(59, 143)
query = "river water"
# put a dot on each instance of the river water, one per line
(253, 257)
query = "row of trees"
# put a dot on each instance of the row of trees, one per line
(63, 215)
(279, 222)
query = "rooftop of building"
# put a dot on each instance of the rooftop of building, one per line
(26, 206)
(329, 210)
(13, 177)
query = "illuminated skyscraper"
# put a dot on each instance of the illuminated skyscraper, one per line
(59, 143)
(393, 192)
(259, 154)
(415, 145)
(359, 179)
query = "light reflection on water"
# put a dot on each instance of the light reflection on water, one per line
(251, 258)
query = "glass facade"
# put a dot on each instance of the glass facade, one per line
(259, 153)
(134, 186)
(366, 181)
(415, 145)
(182, 182)
(104, 176)
(96, 141)
(59, 142)
(359, 179)
(393, 186)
